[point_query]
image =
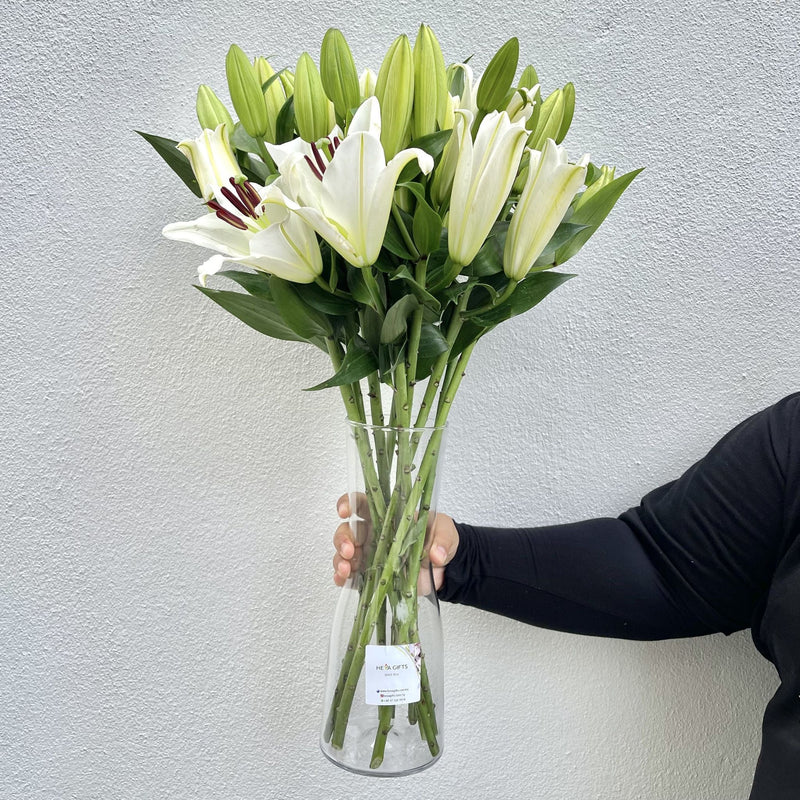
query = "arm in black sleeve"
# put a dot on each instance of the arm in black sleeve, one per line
(695, 557)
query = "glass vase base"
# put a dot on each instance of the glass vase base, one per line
(358, 749)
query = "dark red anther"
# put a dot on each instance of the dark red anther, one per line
(251, 192)
(318, 156)
(235, 201)
(313, 167)
(226, 216)
(245, 198)
(336, 142)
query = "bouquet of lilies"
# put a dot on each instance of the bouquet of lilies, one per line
(392, 220)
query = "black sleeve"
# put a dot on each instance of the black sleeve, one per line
(695, 557)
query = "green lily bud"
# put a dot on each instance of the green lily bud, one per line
(312, 108)
(529, 78)
(548, 123)
(246, 94)
(605, 177)
(498, 76)
(395, 92)
(430, 84)
(287, 79)
(338, 71)
(442, 184)
(569, 110)
(210, 110)
(366, 83)
(522, 175)
(274, 96)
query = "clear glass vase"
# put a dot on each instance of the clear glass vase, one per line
(384, 703)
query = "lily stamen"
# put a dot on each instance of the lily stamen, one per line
(236, 201)
(318, 156)
(313, 167)
(226, 216)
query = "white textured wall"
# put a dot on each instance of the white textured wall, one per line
(167, 490)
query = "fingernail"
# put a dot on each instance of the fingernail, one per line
(441, 553)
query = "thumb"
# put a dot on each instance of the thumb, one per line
(444, 541)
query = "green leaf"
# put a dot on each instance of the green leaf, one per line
(371, 323)
(432, 342)
(358, 362)
(489, 260)
(393, 239)
(255, 283)
(422, 294)
(176, 160)
(528, 293)
(257, 312)
(427, 224)
(242, 140)
(441, 270)
(284, 123)
(272, 78)
(394, 324)
(563, 234)
(324, 301)
(357, 286)
(593, 212)
(304, 320)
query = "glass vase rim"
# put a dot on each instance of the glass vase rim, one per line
(412, 428)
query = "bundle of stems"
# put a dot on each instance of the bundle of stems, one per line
(400, 519)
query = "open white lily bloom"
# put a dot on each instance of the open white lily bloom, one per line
(483, 178)
(551, 185)
(348, 198)
(248, 226)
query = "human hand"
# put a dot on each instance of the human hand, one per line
(349, 543)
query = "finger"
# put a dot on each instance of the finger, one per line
(346, 502)
(341, 566)
(444, 541)
(343, 540)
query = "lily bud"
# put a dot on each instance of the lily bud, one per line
(246, 94)
(442, 183)
(529, 78)
(287, 79)
(461, 86)
(366, 83)
(338, 71)
(548, 123)
(520, 107)
(605, 177)
(274, 96)
(210, 109)
(498, 76)
(395, 92)
(212, 160)
(430, 84)
(312, 109)
(483, 178)
(552, 183)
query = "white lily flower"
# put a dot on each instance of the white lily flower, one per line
(483, 178)
(348, 199)
(252, 229)
(551, 185)
(212, 160)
